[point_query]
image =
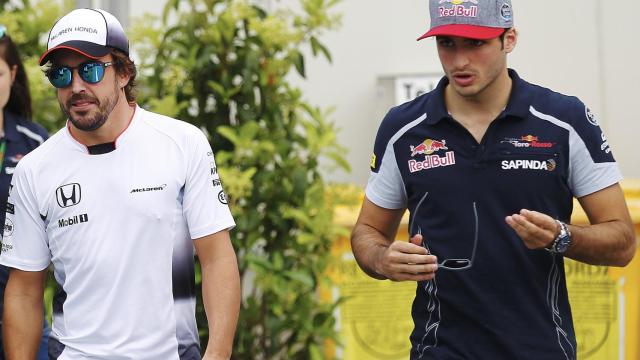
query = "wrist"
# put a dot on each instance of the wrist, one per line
(562, 241)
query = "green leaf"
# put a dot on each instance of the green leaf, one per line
(317, 46)
(298, 61)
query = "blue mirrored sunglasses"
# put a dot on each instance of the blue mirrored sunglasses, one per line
(91, 72)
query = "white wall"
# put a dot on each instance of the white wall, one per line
(578, 47)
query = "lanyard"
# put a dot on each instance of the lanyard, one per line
(3, 147)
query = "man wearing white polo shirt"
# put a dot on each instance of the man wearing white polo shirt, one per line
(116, 201)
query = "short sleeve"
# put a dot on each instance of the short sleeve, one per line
(385, 187)
(24, 242)
(592, 166)
(205, 202)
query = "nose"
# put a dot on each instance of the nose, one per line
(77, 84)
(460, 59)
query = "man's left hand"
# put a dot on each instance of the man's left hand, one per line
(537, 230)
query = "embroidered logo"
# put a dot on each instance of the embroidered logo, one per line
(528, 141)
(68, 195)
(548, 165)
(432, 161)
(428, 147)
(591, 117)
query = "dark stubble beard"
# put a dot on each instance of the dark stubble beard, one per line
(105, 107)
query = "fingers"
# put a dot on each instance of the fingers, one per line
(404, 261)
(537, 230)
(416, 240)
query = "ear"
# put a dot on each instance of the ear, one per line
(510, 40)
(123, 78)
(14, 71)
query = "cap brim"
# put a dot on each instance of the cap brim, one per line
(465, 31)
(85, 48)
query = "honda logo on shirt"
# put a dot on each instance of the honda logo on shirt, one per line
(68, 195)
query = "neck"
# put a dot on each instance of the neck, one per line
(2, 123)
(488, 103)
(116, 124)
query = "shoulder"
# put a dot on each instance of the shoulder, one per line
(177, 132)
(402, 116)
(168, 126)
(556, 106)
(29, 129)
(43, 152)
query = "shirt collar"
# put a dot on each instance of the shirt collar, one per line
(10, 123)
(518, 105)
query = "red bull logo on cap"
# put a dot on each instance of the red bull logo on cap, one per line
(458, 9)
(428, 147)
(458, 2)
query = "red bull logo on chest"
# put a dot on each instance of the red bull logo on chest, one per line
(428, 147)
(431, 160)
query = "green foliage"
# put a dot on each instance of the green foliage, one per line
(223, 66)
(28, 23)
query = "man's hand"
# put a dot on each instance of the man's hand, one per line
(537, 230)
(407, 261)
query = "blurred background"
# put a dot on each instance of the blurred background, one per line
(291, 93)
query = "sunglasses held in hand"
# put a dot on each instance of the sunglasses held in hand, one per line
(91, 72)
(448, 264)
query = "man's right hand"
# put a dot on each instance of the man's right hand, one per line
(407, 261)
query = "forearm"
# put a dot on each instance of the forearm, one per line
(610, 243)
(368, 246)
(22, 323)
(221, 298)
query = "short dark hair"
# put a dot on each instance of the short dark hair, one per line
(124, 65)
(19, 99)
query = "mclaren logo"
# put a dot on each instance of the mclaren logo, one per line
(68, 195)
(155, 188)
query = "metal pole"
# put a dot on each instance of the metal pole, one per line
(119, 9)
(83, 4)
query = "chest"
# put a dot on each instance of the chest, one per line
(113, 191)
(512, 158)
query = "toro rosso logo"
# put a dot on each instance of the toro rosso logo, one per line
(428, 147)
(528, 141)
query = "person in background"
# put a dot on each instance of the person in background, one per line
(488, 165)
(18, 137)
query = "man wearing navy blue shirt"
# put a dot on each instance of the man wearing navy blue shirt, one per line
(20, 137)
(488, 166)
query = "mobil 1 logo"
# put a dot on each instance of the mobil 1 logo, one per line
(73, 220)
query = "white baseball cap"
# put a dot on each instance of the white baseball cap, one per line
(90, 32)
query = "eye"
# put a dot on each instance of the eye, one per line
(476, 43)
(445, 42)
(87, 67)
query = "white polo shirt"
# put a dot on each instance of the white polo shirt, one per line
(111, 224)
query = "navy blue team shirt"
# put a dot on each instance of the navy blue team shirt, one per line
(21, 137)
(544, 149)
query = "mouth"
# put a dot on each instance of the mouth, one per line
(463, 78)
(81, 104)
